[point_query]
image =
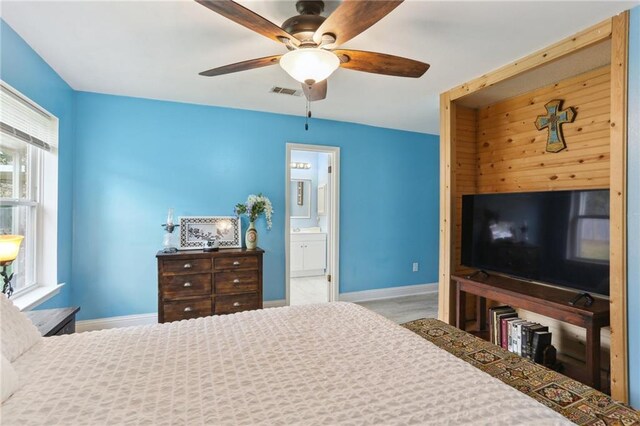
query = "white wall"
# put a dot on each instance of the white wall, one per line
(323, 179)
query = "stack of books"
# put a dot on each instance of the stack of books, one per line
(525, 338)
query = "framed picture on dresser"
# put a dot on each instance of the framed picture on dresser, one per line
(195, 230)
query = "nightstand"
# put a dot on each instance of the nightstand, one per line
(54, 322)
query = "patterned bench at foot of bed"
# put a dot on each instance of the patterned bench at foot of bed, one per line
(579, 403)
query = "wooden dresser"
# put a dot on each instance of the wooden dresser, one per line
(194, 284)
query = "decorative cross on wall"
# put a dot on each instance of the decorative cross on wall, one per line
(553, 121)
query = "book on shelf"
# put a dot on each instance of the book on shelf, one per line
(541, 339)
(494, 321)
(499, 317)
(506, 326)
(513, 334)
(527, 338)
(519, 349)
(502, 326)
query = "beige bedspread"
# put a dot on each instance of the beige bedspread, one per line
(320, 364)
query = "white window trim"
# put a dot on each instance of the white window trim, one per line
(35, 296)
(47, 235)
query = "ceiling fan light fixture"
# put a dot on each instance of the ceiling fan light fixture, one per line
(309, 65)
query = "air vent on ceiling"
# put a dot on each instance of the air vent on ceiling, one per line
(285, 91)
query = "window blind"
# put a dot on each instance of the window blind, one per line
(26, 121)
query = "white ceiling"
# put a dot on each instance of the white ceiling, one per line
(155, 49)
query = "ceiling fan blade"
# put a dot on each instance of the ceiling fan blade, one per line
(242, 66)
(247, 18)
(316, 91)
(353, 17)
(380, 63)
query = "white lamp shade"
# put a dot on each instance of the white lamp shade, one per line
(9, 247)
(309, 64)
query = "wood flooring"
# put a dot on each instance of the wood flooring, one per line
(405, 309)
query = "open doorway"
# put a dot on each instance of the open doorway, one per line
(312, 223)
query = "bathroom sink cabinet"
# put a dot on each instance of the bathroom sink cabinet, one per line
(308, 254)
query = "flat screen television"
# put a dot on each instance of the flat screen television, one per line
(559, 237)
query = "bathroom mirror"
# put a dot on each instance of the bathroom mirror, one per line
(300, 198)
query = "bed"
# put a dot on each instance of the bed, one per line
(335, 363)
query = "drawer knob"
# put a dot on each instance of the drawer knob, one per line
(187, 266)
(187, 309)
(236, 304)
(236, 262)
(187, 284)
(236, 281)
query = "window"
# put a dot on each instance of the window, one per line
(28, 188)
(591, 226)
(19, 176)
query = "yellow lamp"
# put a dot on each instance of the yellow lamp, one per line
(9, 248)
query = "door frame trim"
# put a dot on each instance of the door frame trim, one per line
(334, 234)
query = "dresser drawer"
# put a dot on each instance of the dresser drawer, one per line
(185, 285)
(236, 282)
(186, 265)
(239, 262)
(185, 309)
(236, 303)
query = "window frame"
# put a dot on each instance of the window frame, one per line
(45, 244)
(32, 202)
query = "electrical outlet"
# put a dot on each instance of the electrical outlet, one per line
(415, 266)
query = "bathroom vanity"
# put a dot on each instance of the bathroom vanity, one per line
(308, 253)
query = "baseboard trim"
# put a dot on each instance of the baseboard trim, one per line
(116, 322)
(355, 296)
(310, 273)
(140, 319)
(389, 292)
(274, 303)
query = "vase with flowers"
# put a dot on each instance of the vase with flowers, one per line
(253, 208)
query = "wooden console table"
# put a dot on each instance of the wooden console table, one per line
(552, 302)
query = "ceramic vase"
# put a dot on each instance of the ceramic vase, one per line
(251, 237)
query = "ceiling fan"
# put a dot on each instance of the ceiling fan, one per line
(312, 41)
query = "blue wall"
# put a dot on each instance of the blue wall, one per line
(634, 208)
(23, 69)
(135, 158)
(124, 161)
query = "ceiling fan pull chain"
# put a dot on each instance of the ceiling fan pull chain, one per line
(307, 115)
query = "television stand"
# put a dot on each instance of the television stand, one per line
(545, 300)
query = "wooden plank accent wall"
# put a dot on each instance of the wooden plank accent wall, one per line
(512, 154)
(515, 159)
(465, 171)
(512, 157)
